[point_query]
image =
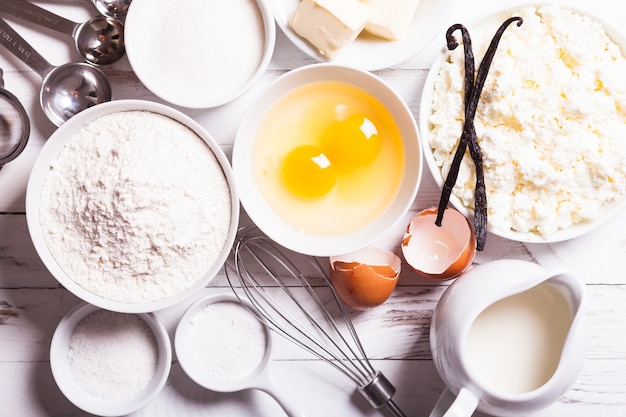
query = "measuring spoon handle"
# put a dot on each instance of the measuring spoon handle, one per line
(265, 382)
(22, 49)
(37, 15)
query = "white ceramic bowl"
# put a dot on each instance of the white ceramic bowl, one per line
(261, 213)
(72, 389)
(494, 18)
(148, 19)
(49, 153)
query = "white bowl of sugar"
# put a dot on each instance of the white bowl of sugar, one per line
(131, 206)
(199, 53)
(108, 363)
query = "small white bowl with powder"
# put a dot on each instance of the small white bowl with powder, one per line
(131, 206)
(108, 363)
(199, 53)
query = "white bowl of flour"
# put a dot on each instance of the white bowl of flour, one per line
(548, 123)
(131, 206)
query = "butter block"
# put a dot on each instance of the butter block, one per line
(330, 25)
(391, 19)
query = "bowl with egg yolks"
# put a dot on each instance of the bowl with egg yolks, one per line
(327, 159)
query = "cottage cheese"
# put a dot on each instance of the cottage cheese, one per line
(551, 121)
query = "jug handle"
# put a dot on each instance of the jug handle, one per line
(448, 405)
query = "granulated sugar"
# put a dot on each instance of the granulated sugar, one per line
(227, 340)
(210, 56)
(112, 355)
(136, 207)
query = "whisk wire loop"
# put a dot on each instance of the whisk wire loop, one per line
(307, 325)
(304, 282)
(274, 284)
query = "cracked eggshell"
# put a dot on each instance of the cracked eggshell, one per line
(439, 252)
(365, 278)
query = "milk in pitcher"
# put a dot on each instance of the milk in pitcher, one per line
(515, 344)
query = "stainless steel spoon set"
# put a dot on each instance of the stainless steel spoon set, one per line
(69, 88)
(99, 40)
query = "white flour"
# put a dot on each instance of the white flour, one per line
(227, 340)
(112, 355)
(136, 207)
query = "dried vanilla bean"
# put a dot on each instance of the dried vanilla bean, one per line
(468, 137)
(453, 173)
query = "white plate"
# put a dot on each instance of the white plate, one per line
(493, 19)
(368, 52)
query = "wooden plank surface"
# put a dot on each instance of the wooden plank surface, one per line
(395, 335)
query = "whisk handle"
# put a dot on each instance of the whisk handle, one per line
(378, 392)
(395, 410)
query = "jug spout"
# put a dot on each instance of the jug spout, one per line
(485, 284)
(574, 350)
(572, 288)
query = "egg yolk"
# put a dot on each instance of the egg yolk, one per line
(307, 172)
(352, 143)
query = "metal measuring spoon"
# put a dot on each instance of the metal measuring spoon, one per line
(67, 89)
(14, 125)
(99, 40)
(112, 8)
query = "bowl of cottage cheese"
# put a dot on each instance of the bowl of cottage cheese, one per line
(131, 206)
(550, 123)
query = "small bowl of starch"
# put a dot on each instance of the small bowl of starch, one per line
(109, 363)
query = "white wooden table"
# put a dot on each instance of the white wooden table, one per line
(395, 335)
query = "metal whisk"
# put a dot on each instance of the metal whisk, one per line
(275, 282)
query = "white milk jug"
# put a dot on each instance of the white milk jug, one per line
(508, 338)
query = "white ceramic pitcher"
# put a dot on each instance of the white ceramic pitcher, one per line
(508, 338)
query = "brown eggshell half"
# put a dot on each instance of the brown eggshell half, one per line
(439, 252)
(365, 279)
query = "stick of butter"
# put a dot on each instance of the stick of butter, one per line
(391, 18)
(330, 25)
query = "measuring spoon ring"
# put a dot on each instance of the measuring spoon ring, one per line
(99, 40)
(67, 89)
(14, 125)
